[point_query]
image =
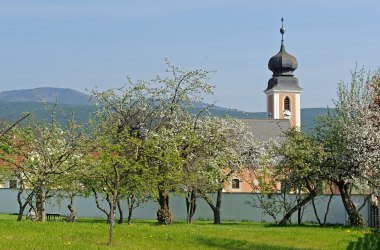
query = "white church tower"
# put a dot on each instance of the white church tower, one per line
(283, 91)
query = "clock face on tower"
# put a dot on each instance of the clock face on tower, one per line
(287, 114)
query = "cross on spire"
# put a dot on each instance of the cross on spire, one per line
(282, 31)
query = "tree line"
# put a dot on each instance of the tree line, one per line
(145, 141)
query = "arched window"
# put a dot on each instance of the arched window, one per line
(287, 103)
(235, 183)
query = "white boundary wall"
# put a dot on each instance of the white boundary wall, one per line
(234, 208)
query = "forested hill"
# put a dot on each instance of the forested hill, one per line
(14, 103)
(46, 94)
(11, 111)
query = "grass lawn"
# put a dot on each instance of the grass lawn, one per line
(93, 234)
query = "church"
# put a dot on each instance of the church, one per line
(283, 109)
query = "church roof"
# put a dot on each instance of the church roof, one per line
(283, 83)
(265, 129)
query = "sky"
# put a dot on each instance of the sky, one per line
(83, 44)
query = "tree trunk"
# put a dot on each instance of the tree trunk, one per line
(71, 209)
(112, 205)
(131, 203)
(163, 200)
(71, 200)
(322, 224)
(22, 206)
(40, 203)
(217, 207)
(299, 210)
(164, 216)
(217, 217)
(191, 206)
(34, 209)
(120, 221)
(129, 216)
(20, 213)
(300, 204)
(346, 199)
(98, 205)
(315, 211)
(72, 217)
(354, 217)
(328, 207)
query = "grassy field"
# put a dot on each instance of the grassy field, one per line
(93, 234)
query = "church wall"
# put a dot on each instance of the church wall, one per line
(298, 108)
(276, 103)
(270, 105)
(246, 179)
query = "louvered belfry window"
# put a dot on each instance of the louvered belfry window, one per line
(287, 103)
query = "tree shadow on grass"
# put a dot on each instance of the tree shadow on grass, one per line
(226, 243)
(368, 242)
(304, 226)
(92, 220)
(224, 223)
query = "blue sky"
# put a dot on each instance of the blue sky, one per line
(82, 44)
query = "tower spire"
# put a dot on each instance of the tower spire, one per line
(282, 31)
(283, 91)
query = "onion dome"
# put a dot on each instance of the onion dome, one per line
(282, 63)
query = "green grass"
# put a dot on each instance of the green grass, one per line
(93, 234)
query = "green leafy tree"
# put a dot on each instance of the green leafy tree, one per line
(116, 167)
(13, 154)
(298, 167)
(266, 194)
(41, 154)
(228, 149)
(374, 120)
(350, 142)
(158, 113)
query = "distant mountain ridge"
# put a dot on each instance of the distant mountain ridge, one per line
(14, 103)
(46, 94)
